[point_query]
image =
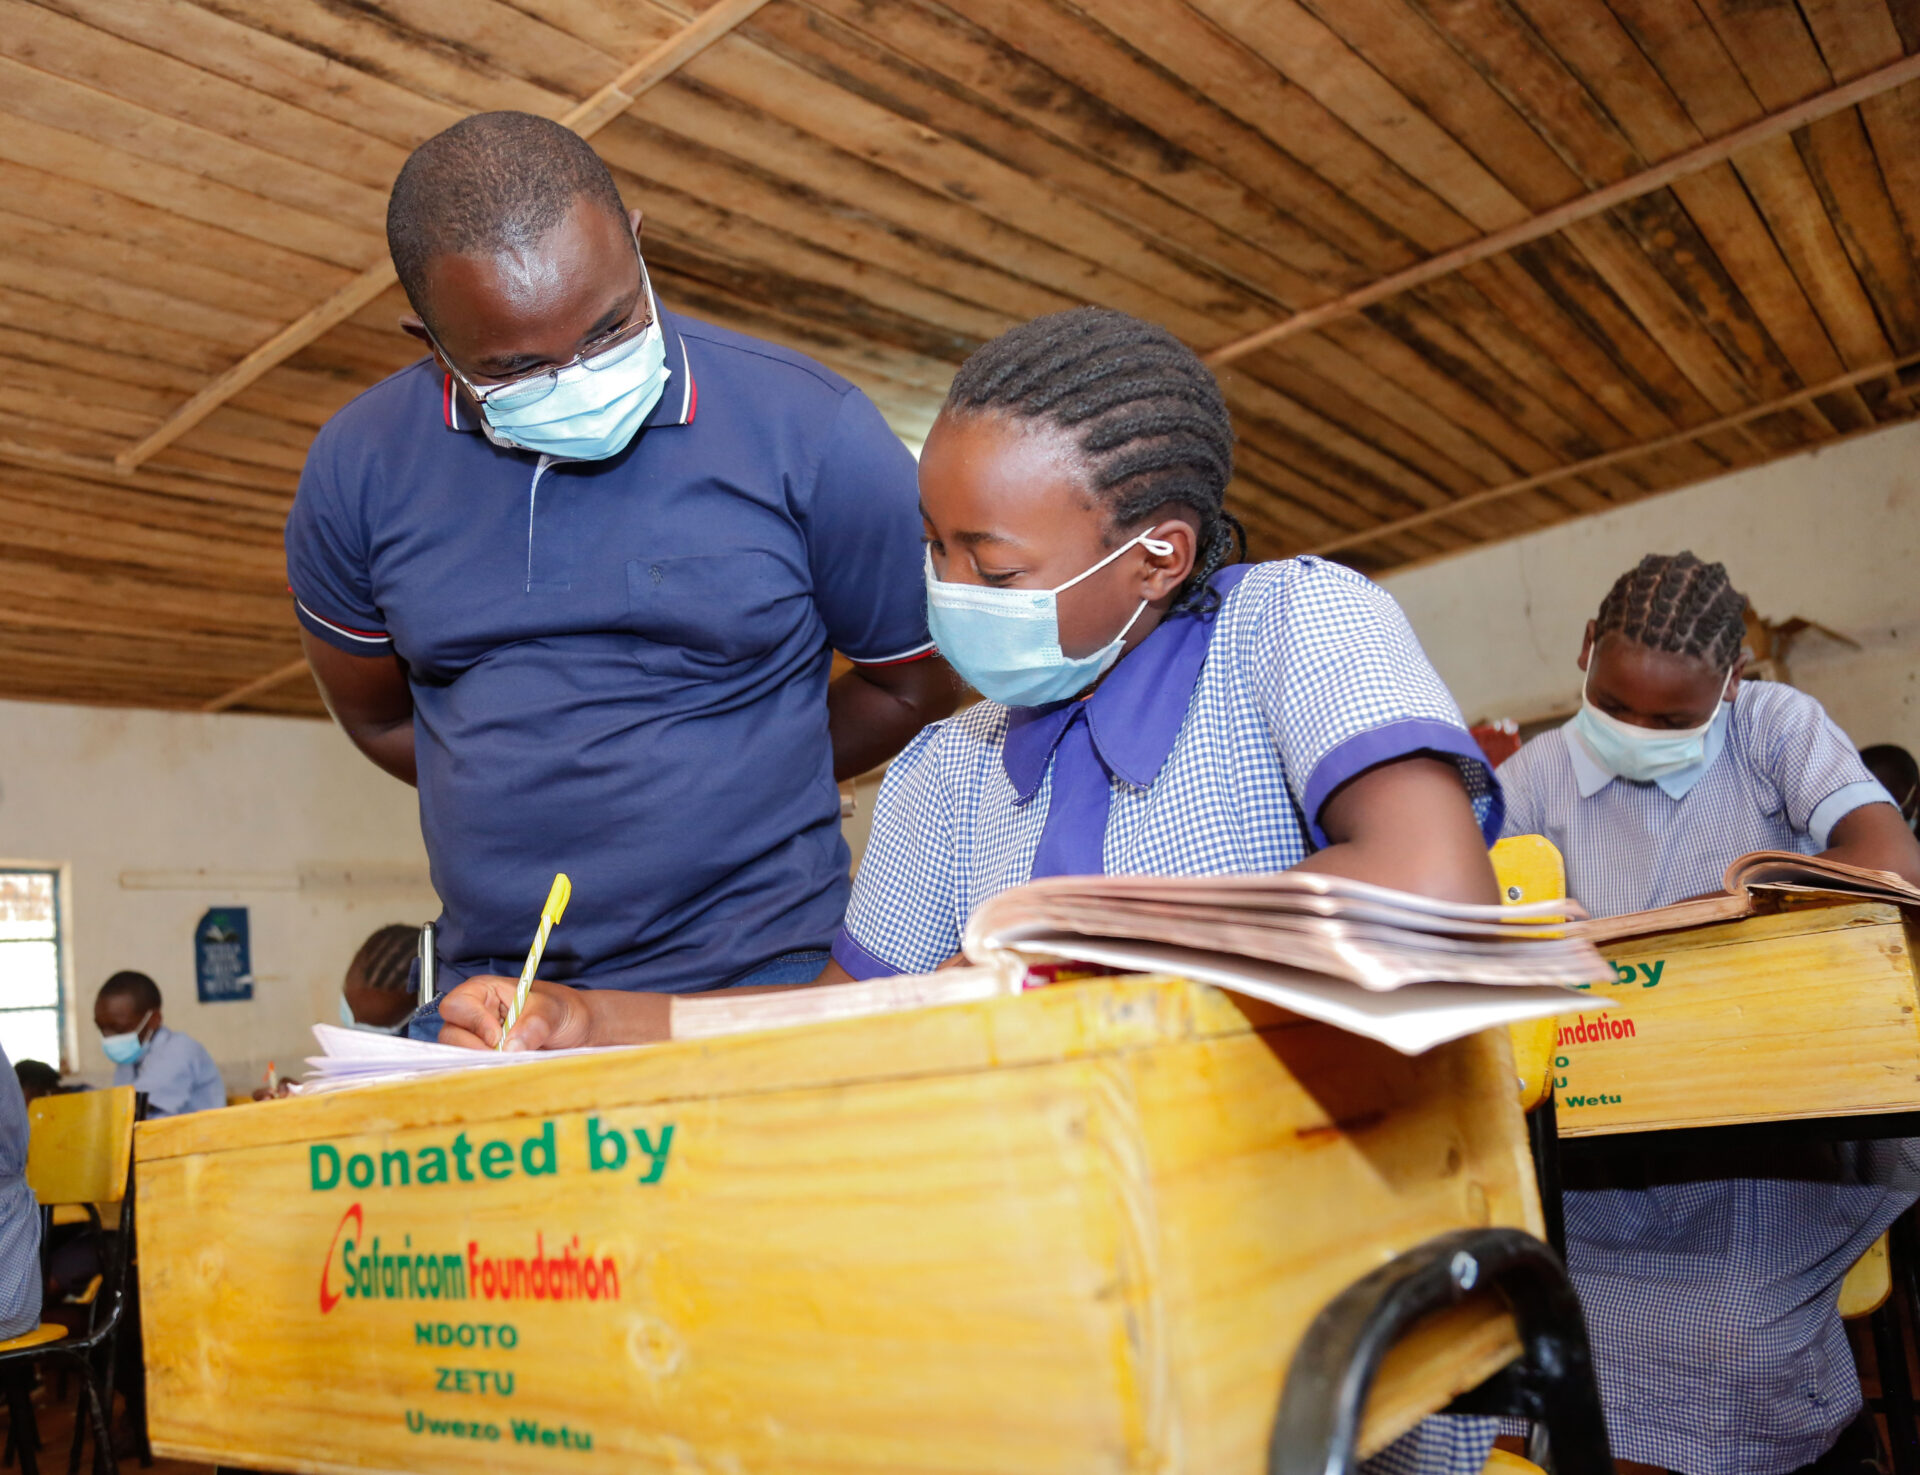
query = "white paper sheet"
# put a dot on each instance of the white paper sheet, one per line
(1411, 1019)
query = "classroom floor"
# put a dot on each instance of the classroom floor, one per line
(56, 1433)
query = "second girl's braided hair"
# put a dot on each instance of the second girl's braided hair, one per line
(1674, 602)
(385, 960)
(1149, 418)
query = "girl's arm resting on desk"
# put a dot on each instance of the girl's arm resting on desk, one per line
(1876, 837)
(1407, 824)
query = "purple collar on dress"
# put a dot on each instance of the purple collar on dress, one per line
(1135, 714)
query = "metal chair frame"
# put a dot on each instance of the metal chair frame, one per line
(90, 1355)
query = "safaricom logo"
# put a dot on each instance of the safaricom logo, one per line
(359, 1269)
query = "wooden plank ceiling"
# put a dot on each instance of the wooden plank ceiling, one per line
(886, 183)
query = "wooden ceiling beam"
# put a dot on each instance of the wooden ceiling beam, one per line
(1613, 457)
(1583, 207)
(274, 679)
(587, 119)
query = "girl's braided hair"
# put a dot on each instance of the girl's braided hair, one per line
(1149, 418)
(1674, 602)
(386, 959)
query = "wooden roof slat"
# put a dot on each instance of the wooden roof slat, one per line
(1012, 108)
(1072, 47)
(1615, 256)
(310, 198)
(152, 78)
(1571, 216)
(203, 286)
(592, 114)
(71, 205)
(1511, 55)
(689, 165)
(1738, 419)
(1847, 176)
(1060, 241)
(307, 76)
(24, 141)
(1216, 65)
(1315, 58)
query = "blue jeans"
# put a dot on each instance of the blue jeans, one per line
(800, 967)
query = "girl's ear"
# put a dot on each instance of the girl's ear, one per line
(1739, 670)
(1164, 573)
(1586, 646)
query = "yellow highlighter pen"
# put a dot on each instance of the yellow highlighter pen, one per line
(549, 918)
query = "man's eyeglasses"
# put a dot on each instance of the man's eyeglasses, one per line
(603, 353)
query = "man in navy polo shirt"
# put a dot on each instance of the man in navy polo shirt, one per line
(580, 574)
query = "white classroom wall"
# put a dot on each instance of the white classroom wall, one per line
(1831, 535)
(157, 816)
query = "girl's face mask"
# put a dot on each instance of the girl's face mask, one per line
(1005, 643)
(1643, 754)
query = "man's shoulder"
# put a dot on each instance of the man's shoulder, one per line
(185, 1047)
(728, 354)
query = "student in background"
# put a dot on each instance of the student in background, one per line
(1893, 765)
(1709, 1287)
(378, 992)
(174, 1070)
(37, 1079)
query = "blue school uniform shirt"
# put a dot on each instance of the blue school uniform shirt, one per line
(177, 1074)
(1209, 749)
(1711, 1302)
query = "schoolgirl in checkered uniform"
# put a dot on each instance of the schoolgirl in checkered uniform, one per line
(1709, 1286)
(1153, 706)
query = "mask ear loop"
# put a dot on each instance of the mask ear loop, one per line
(1158, 547)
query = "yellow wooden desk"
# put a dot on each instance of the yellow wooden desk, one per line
(1080, 1230)
(1812, 1012)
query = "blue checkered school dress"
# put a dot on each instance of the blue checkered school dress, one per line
(1209, 749)
(1711, 1301)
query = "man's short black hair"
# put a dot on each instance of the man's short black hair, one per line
(491, 182)
(142, 990)
(36, 1076)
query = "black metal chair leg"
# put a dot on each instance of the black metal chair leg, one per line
(1317, 1430)
(1543, 1136)
(1896, 1389)
(23, 1436)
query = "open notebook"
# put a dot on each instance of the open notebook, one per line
(1406, 970)
(1750, 882)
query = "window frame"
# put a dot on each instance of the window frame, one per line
(63, 1021)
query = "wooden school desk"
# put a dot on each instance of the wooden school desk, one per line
(1803, 1022)
(1809, 1015)
(1082, 1229)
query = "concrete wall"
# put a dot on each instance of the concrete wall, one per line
(1832, 536)
(156, 816)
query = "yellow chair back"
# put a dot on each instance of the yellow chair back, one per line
(79, 1146)
(1500, 1462)
(1867, 1285)
(1530, 868)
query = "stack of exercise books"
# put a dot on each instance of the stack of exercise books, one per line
(1406, 970)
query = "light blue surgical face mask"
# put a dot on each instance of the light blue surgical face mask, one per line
(127, 1049)
(1643, 754)
(346, 1018)
(586, 410)
(1005, 643)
